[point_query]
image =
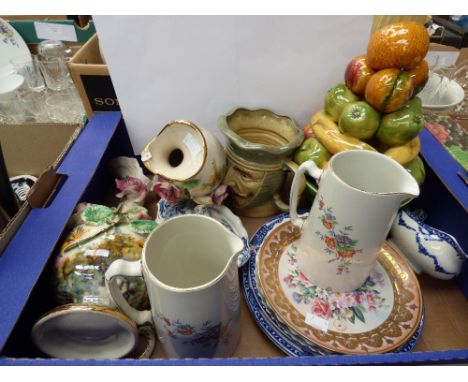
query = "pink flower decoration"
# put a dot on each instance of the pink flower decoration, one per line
(304, 279)
(220, 194)
(357, 298)
(321, 308)
(371, 302)
(167, 191)
(131, 188)
(288, 279)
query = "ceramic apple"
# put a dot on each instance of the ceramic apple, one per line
(357, 74)
(336, 98)
(308, 133)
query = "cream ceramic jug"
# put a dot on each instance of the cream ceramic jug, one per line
(358, 197)
(189, 265)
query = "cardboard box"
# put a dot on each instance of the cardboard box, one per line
(91, 77)
(30, 149)
(444, 337)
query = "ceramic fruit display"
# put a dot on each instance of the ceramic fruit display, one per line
(376, 108)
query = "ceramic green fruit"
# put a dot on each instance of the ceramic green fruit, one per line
(416, 168)
(359, 119)
(312, 149)
(336, 98)
(401, 126)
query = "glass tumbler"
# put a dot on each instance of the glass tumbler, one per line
(34, 103)
(55, 72)
(31, 72)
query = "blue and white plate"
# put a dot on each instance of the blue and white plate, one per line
(281, 335)
(221, 213)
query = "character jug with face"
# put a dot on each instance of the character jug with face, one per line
(358, 197)
(260, 145)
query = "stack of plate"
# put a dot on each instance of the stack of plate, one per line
(385, 315)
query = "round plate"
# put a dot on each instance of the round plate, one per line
(85, 332)
(279, 334)
(12, 45)
(373, 319)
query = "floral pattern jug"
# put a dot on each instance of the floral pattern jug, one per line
(358, 197)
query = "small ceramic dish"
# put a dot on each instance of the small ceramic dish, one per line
(87, 332)
(427, 249)
(441, 93)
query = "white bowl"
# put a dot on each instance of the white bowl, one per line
(8, 85)
(441, 93)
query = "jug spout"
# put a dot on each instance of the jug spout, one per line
(236, 243)
(409, 188)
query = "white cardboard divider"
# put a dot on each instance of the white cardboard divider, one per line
(200, 67)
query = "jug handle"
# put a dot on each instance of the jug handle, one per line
(315, 172)
(125, 268)
(293, 167)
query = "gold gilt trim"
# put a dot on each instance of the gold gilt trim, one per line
(71, 308)
(169, 125)
(395, 331)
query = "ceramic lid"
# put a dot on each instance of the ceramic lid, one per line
(85, 332)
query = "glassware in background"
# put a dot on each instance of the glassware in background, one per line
(12, 111)
(55, 71)
(31, 72)
(65, 106)
(51, 48)
(34, 105)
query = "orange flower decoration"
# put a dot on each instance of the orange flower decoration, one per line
(347, 254)
(330, 242)
(327, 224)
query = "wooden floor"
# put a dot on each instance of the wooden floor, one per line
(446, 325)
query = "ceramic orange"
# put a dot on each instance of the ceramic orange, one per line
(419, 74)
(388, 90)
(398, 45)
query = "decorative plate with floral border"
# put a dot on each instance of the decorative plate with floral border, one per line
(279, 333)
(12, 45)
(285, 339)
(381, 316)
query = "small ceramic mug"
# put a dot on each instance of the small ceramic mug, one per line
(190, 270)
